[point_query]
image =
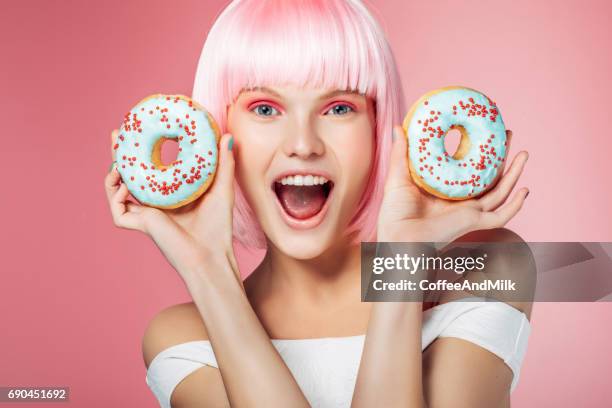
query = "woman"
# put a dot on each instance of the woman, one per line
(308, 92)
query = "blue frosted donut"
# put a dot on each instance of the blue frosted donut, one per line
(480, 157)
(152, 121)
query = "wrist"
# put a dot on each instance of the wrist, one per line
(399, 270)
(400, 232)
(211, 272)
(416, 233)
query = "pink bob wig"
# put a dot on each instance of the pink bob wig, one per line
(325, 44)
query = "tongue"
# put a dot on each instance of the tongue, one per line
(301, 202)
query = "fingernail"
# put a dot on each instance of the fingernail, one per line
(527, 194)
(230, 144)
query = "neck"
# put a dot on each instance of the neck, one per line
(329, 274)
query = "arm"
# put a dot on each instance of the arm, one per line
(390, 373)
(197, 241)
(391, 368)
(176, 325)
(209, 386)
(253, 372)
(455, 372)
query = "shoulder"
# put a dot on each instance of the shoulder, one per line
(513, 261)
(186, 381)
(483, 347)
(171, 326)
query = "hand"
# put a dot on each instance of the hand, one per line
(410, 214)
(188, 235)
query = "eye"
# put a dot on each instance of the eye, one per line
(340, 109)
(265, 110)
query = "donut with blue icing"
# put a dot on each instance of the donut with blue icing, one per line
(145, 128)
(480, 157)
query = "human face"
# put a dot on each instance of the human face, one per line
(288, 131)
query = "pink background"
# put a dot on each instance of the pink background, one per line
(77, 293)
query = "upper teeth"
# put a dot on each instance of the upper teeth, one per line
(299, 180)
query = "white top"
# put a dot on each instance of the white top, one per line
(326, 368)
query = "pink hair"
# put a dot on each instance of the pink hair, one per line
(329, 44)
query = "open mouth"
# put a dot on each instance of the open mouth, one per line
(303, 197)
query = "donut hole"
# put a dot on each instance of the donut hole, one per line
(457, 142)
(165, 152)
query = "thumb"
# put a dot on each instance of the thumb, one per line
(399, 174)
(224, 179)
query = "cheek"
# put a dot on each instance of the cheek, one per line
(356, 155)
(253, 155)
(251, 163)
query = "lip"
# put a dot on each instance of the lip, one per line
(308, 223)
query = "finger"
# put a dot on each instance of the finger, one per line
(499, 194)
(501, 216)
(111, 183)
(120, 210)
(117, 201)
(224, 179)
(114, 135)
(398, 174)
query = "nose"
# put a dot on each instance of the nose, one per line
(303, 141)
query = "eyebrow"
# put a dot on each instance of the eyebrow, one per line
(325, 96)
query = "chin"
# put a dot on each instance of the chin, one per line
(303, 247)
